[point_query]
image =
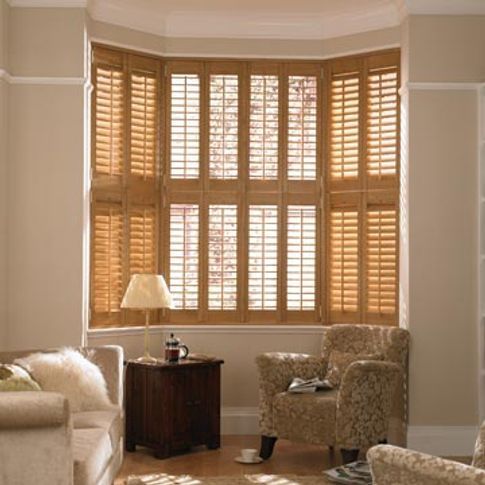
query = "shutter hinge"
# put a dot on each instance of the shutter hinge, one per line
(320, 313)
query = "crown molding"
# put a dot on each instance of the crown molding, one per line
(444, 7)
(47, 3)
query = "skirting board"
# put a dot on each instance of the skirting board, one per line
(435, 440)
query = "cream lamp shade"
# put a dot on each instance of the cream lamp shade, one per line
(147, 291)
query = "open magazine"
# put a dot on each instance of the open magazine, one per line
(355, 473)
(301, 386)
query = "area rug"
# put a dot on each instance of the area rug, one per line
(262, 479)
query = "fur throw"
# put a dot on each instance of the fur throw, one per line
(71, 374)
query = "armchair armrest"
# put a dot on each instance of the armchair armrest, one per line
(391, 465)
(34, 409)
(276, 370)
(364, 403)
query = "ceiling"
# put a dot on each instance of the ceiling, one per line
(260, 19)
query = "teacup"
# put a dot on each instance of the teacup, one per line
(249, 454)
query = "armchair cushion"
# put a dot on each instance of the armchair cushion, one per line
(338, 362)
(110, 421)
(306, 417)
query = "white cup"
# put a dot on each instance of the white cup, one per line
(249, 454)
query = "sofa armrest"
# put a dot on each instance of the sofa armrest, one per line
(109, 358)
(391, 465)
(34, 409)
(364, 403)
(276, 370)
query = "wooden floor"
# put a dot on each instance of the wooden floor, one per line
(298, 459)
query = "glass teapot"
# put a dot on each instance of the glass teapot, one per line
(174, 349)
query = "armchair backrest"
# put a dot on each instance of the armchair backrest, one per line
(392, 342)
(479, 453)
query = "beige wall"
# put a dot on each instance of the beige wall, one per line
(442, 152)
(45, 187)
(4, 16)
(45, 178)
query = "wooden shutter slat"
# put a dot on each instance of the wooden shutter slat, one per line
(107, 261)
(223, 122)
(302, 128)
(184, 126)
(263, 257)
(184, 255)
(222, 257)
(263, 127)
(301, 257)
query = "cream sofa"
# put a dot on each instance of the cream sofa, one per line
(42, 443)
(391, 465)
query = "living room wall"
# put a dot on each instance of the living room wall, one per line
(4, 14)
(47, 199)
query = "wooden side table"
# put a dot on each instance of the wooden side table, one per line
(171, 407)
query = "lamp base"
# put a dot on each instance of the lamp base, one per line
(147, 359)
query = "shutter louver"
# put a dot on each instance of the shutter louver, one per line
(109, 98)
(381, 234)
(301, 257)
(223, 138)
(222, 247)
(184, 126)
(344, 127)
(263, 128)
(263, 257)
(142, 240)
(107, 273)
(382, 122)
(302, 127)
(184, 256)
(344, 263)
(143, 124)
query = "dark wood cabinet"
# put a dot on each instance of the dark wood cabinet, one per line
(171, 407)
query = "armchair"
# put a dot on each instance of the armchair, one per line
(367, 408)
(391, 465)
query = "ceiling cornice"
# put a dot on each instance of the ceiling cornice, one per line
(444, 7)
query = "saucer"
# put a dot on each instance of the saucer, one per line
(256, 460)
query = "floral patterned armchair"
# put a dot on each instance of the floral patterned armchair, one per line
(368, 407)
(391, 465)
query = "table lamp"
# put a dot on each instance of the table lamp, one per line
(147, 292)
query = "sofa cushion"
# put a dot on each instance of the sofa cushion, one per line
(110, 421)
(306, 417)
(92, 452)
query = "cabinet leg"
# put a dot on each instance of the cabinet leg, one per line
(214, 443)
(349, 456)
(162, 453)
(130, 446)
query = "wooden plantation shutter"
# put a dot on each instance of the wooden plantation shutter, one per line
(363, 189)
(264, 191)
(125, 185)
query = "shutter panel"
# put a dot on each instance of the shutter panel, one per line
(382, 122)
(301, 257)
(263, 127)
(142, 240)
(344, 127)
(302, 127)
(184, 126)
(108, 119)
(381, 263)
(184, 255)
(143, 123)
(107, 260)
(343, 264)
(223, 122)
(222, 279)
(263, 257)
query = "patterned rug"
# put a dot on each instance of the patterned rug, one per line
(164, 479)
